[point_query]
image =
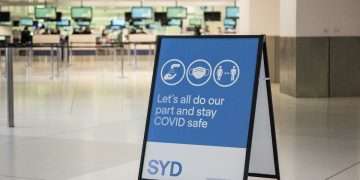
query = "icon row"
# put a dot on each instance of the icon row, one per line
(225, 74)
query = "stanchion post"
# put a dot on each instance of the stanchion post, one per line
(52, 62)
(5, 61)
(128, 51)
(122, 62)
(2, 62)
(114, 53)
(149, 52)
(58, 56)
(70, 54)
(135, 56)
(10, 86)
(28, 53)
(31, 56)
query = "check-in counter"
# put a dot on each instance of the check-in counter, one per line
(5, 31)
(83, 41)
(141, 42)
(46, 40)
(214, 28)
(83, 44)
(142, 38)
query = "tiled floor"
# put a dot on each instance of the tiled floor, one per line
(88, 125)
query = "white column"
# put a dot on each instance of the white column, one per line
(288, 18)
(265, 17)
(243, 26)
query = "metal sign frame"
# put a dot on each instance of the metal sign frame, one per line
(261, 56)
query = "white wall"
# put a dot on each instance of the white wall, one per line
(265, 17)
(288, 18)
(328, 18)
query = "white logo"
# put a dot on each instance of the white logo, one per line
(199, 72)
(173, 72)
(226, 73)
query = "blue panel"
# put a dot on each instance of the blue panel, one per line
(191, 72)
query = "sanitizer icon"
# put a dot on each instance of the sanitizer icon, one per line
(173, 72)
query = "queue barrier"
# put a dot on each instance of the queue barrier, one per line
(59, 55)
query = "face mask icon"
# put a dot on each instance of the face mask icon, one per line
(199, 72)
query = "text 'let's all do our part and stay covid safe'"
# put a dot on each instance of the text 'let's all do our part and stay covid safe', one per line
(198, 73)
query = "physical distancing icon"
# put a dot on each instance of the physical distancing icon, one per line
(226, 73)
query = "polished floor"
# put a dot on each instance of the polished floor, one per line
(88, 124)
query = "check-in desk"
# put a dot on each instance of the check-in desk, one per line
(47, 46)
(47, 41)
(140, 44)
(43, 46)
(214, 28)
(83, 44)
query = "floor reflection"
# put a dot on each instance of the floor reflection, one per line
(88, 124)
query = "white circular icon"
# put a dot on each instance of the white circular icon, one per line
(173, 72)
(199, 72)
(226, 73)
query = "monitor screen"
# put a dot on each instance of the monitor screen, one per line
(232, 12)
(195, 22)
(26, 22)
(45, 13)
(154, 26)
(230, 22)
(176, 12)
(118, 22)
(81, 12)
(142, 12)
(139, 23)
(174, 22)
(83, 23)
(115, 27)
(63, 23)
(4, 16)
(212, 16)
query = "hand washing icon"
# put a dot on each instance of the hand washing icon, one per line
(173, 72)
